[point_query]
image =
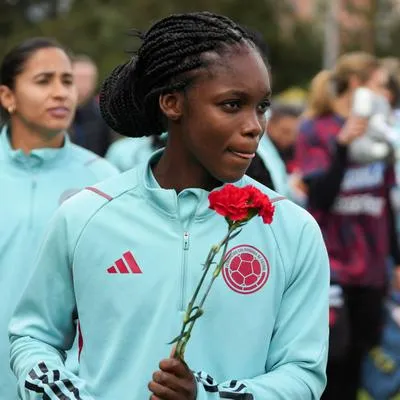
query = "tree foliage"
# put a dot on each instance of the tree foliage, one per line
(98, 28)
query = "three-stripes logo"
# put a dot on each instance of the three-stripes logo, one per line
(125, 265)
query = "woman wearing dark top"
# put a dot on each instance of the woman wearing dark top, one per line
(351, 204)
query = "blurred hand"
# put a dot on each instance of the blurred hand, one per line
(396, 278)
(297, 184)
(352, 129)
(174, 381)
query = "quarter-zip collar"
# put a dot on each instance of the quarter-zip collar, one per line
(36, 158)
(168, 201)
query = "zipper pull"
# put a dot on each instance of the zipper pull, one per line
(186, 241)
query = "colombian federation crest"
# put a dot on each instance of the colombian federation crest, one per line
(246, 269)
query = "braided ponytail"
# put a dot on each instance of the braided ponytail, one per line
(171, 49)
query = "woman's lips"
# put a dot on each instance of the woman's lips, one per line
(59, 112)
(246, 156)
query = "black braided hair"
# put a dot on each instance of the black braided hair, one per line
(170, 51)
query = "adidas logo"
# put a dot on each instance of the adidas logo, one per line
(125, 265)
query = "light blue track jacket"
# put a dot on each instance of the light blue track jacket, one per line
(31, 189)
(274, 164)
(126, 256)
(127, 153)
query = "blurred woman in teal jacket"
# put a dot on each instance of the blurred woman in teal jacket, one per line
(39, 167)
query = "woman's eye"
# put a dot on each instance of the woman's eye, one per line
(264, 106)
(233, 105)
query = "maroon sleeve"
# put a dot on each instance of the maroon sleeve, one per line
(312, 153)
(322, 163)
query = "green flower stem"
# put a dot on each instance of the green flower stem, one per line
(185, 334)
(210, 258)
(216, 271)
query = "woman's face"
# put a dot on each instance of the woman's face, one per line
(283, 131)
(378, 81)
(44, 96)
(223, 117)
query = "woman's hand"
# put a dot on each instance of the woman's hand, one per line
(174, 381)
(352, 129)
(396, 278)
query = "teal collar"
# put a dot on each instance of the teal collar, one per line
(191, 202)
(36, 157)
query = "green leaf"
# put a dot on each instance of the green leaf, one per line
(235, 234)
(193, 318)
(177, 339)
(198, 314)
(187, 318)
(204, 265)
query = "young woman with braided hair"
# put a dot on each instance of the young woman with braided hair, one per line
(126, 255)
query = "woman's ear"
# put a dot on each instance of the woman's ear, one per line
(171, 105)
(7, 98)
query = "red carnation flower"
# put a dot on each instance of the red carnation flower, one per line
(241, 204)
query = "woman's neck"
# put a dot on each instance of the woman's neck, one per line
(342, 105)
(27, 139)
(177, 170)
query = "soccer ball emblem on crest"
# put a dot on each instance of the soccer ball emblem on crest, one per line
(246, 269)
